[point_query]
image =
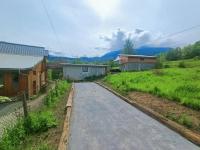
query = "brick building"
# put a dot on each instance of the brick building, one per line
(136, 62)
(22, 69)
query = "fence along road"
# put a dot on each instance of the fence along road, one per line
(10, 112)
(100, 120)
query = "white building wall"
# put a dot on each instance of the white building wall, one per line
(76, 72)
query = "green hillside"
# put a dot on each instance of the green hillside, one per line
(175, 83)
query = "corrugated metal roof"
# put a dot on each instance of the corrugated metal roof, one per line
(144, 56)
(20, 49)
(87, 65)
(15, 62)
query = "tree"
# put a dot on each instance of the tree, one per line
(174, 54)
(128, 47)
(187, 52)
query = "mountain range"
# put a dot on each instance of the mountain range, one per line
(149, 51)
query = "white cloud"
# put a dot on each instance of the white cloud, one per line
(104, 8)
(139, 38)
(78, 23)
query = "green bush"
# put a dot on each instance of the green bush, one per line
(166, 66)
(36, 123)
(13, 136)
(185, 120)
(158, 65)
(49, 74)
(182, 119)
(197, 58)
(93, 78)
(39, 122)
(56, 74)
(55, 94)
(182, 64)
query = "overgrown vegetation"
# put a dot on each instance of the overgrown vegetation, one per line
(56, 93)
(178, 84)
(181, 119)
(93, 78)
(189, 63)
(54, 74)
(15, 137)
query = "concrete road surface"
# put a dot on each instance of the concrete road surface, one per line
(102, 121)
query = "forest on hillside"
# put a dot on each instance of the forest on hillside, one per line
(187, 52)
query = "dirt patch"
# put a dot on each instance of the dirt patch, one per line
(172, 110)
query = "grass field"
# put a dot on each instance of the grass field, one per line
(189, 63)
(177, 84)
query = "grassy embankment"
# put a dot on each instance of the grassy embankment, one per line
(179, 82)
(40, 129)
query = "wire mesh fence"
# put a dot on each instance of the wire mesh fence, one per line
(11, 111)
(9, 114)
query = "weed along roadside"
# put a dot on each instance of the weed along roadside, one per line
(188, 134)
(41, 129)
(64, 140)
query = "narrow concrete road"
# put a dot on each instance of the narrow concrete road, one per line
(102, 121)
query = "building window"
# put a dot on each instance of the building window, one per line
(1, 80)
(34, 72)
(142, 59)
(85, 69)
(15, 80)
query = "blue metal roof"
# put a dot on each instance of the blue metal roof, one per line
(20, 49)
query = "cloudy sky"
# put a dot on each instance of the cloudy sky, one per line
(93, 27)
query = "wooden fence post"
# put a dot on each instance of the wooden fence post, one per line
(25, 108)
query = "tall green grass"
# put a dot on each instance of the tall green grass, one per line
(55, 94)
(189, 63)
(177, 84)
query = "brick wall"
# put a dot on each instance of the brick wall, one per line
(25, 81)
(126, 59)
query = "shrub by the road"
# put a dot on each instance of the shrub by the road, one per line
(13, 136)
(56, 93)
(37, 122)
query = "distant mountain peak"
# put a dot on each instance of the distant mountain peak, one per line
(112, 55)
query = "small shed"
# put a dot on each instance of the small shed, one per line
(82, 71)
(136, 62)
